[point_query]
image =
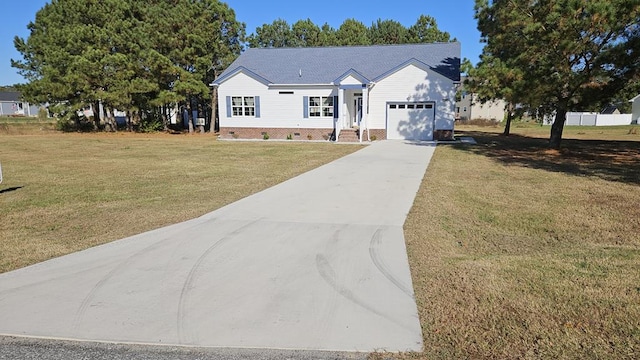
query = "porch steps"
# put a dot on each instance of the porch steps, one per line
(348, 135)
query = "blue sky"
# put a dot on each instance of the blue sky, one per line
(454, 16)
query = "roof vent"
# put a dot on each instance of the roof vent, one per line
(300, 72)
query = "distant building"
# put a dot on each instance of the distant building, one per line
(11, 104)
(635, 110)
(468, 107)
(610, 110)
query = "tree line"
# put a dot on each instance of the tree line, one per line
(138, 56)
(305, 33)
(146, 57)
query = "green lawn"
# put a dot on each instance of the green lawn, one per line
(516, 251)
(521, 252)
(66, 192)
(25, 125)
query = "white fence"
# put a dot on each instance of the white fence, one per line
(592, 119)
(595, 119)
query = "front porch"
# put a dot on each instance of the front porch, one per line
(351, 124)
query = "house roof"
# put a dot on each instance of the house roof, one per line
(12, 96)
(610, 109)
(323, 65)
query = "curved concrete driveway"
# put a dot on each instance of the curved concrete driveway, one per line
(317, 262)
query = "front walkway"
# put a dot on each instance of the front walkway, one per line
(317, 262)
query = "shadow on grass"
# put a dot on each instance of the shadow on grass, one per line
(2, 191)
(606, 159)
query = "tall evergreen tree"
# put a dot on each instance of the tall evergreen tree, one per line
(276, 34)
(306, 33)
(388, 32)
(132, 55)
(425, 30)
(561, 54)
(353, 32)
(327, 36)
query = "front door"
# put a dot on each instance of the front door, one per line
(357, 111)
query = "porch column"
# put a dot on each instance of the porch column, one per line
(365, 112)
(340, 108)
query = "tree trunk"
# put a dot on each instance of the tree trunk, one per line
(557, 127)
(214, 107)
(507, 127)
(129, 116)
(165, 118)
(96, 115)
(191, 119)
(110, 122)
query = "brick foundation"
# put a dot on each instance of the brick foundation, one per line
(275, 133)
(377, 134)
(443, 135)
(309, 134)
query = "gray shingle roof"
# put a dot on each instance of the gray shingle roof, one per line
(12, 96)
(323, 65)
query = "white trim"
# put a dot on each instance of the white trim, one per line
(332, 86)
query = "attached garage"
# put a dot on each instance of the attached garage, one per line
(410, 120)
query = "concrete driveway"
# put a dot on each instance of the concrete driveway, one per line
(317, 262)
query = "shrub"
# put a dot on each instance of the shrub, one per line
(43, 114)
(480, 122)
(265, 136)
(150, 124)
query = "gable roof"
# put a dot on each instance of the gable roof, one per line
(323, 65)
(610, 109)
(12, 96)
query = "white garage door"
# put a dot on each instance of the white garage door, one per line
(410, 121)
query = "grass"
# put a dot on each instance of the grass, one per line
(66, 192)
(516, 251)
(521, 252)
(25, 125)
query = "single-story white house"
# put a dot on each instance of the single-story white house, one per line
(635, 110)
(386, 92)
(11, 104)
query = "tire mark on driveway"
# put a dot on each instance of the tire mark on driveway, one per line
(183, 336)
(374, 253)
(329, 276)
(88, 299)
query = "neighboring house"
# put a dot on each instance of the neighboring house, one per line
(468, 107)
(610, 110)
(635, 110)
(11, 104)
(390, 92)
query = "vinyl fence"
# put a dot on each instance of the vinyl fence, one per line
(592, 119)
(595, 119)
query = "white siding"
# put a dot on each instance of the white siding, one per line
(413, 84)
(491, 110)
(276, 110)
(635, 110)
(350, 80)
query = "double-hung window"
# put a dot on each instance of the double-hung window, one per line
(321, 106)
(243, 106)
